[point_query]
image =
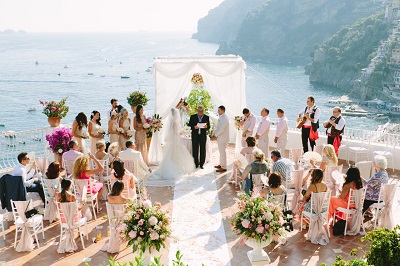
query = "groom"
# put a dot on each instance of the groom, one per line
(199, 136)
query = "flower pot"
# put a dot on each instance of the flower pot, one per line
(148, 141)
(133, 107)
(258, 254)
(58, 158)
(54, 121)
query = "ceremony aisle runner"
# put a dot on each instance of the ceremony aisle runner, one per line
(197, 229)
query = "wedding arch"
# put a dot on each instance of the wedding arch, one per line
(223, 76)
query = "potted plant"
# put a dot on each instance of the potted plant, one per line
(55, 111)
(58, 142)
(145, 226)
(258, 222)
(137, 98)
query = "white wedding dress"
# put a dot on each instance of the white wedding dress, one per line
(176, 160)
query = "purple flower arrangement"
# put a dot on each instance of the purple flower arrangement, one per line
(55, 109)
(59, 140)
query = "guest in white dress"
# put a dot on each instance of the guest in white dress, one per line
(77, 133)
(93, 130)
(112, 128)
(125, 124)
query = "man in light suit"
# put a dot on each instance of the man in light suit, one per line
(222, 134)
(262, 134)
(130, 154)
(281, 136)
(248, 122)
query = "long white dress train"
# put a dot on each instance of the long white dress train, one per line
(176, 160)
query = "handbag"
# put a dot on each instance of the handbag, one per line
(30, 213)
(338, 228)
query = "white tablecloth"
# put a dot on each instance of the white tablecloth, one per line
(187, 142)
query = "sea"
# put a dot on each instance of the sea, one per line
(87, 68)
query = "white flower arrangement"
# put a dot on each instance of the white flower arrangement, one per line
(129, 133)
(238, 124)
(101, 132)
(85, 135)
(146, 126)
(120, 130)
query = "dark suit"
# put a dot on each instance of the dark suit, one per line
(199, 140)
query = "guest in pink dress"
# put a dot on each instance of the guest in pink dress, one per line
(115, 196)
(81, 171)
(352, 180)
(120, 173)
(66, 196)
(251, 144)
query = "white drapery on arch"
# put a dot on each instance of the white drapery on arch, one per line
(224, 79)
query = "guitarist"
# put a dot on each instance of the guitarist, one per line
(309, 130)
(335, 128)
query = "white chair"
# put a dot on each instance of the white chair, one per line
(386, 153)
(2, 225)
(297, 177)
(383, 208)
(115, 214)
(342, 151)
(295, 155)
(278, 199)
(50, 187)
(317, 218)
(331, 183)
(366, 168)
(105, 173)
(70, 222)
(319, 149)
(132, 166)
(83, 192)
(126, 192)
(24, 225)
(67, 165)
(42, 164)
(359, 153)
(353, 212)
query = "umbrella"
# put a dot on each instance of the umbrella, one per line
(312, 155)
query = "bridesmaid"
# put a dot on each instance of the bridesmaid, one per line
(93, 130)
(140, 134)
(112, 127)
(125, 124)
(77, 134)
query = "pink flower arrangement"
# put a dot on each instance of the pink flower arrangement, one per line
(59, 140)
(153, 124)
(54, 109)
(197, 80)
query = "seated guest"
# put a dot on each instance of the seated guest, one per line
(53, 172)
(101, 150)
(251, 145)
(259, 166)
(130, 154)
(281, 165)
(73, 152)
(274, 188)
(329, 157)
(113, 152)
(352, 180)
(376, 181)
(316, 186)
(81, 171)
(115, 196)
(120, 173)
(32, 183)
(66, 196)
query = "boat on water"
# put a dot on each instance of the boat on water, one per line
(381, 117)
(125, 77)
(37, 63)
(355, 111)
(90, 74)
(2, 125)
(338, 102)
(32, 109)
(65, 66)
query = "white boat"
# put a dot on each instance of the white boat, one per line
(381, 117)
(90, 74)
(2, 125)
(338, 102)
(65, 66)
(31, 109)
(355, 111)
(37, 63)
(125, 77)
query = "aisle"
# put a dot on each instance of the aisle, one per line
(197, 229)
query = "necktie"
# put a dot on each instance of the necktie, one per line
(200, 118)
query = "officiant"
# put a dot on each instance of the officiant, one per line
(199, 123)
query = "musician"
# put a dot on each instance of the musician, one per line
(309, 121)
(335, 128)
(248, 122)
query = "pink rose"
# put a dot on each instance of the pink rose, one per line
(141, 233)
(132, 234)
(153, 221)
(260, 229)
(154, 236)
(139, 239)
(140, 211)
(280, 220)
(150, 230)
(262, 210)
(250, 226)
(160, 224)
(140, 222)
(245, 223)
(137, 216)
(147, 204)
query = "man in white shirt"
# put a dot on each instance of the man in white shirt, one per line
(335, 128)
(130, 154)
(249, 123)
(311, 115)
(281, 136)
(114, 107)
(281, 165)
(32, 183)
(73, 152)
(222, 134)
(262, 134)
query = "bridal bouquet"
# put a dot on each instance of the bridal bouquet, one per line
(238, 120)
(145, 226)
(129, 133)
(59, 140)
(197, 80)
(258, 219)
(55, 109)
(120, 130)
(154, 124)
(85, 135)
(101, 132)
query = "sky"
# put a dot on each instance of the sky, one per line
(103, 15)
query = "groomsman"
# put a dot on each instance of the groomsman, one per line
(114, 107)
(222, 134)
(281, 131)
(199, 136)
(262, 134)
(249, 123)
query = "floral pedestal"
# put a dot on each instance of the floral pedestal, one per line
(133, 107)
(54, 121)
(58, 158)
(258, 254)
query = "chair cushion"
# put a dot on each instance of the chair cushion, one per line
(37, 218)
(347, 211)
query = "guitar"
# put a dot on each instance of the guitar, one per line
(301, 121)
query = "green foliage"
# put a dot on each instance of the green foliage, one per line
(137, 98)
(199, 97)
(353, 262)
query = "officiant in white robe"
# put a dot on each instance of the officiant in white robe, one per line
(222, 134)
(262, 135)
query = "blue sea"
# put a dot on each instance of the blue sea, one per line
(87, 68)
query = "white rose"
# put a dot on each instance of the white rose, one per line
(268, 216)
(153, 221)
(245, 223)
(147, 204)
(60, 151)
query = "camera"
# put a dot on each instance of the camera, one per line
(184, 101)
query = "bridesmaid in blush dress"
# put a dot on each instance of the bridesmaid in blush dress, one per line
(140, 134)
(125, 124)
(112, 127)
(93, 130)
(77, 134)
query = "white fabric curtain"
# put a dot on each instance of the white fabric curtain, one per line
(387, 215)
(318, 231)
(298, 180)
(357, 217)
(70, 211)
(26, 242)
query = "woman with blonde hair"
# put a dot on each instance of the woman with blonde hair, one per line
(112, 127)
(329, 157)
(81, 171)
(125, 124)
(259, 166)
(101, 150)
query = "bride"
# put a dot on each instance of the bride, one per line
(177, 160)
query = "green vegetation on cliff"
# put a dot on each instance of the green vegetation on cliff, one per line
(338, 61)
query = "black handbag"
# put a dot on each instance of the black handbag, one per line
(30, 213)
(338, 228)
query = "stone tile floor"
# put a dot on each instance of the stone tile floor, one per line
(297, 251)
